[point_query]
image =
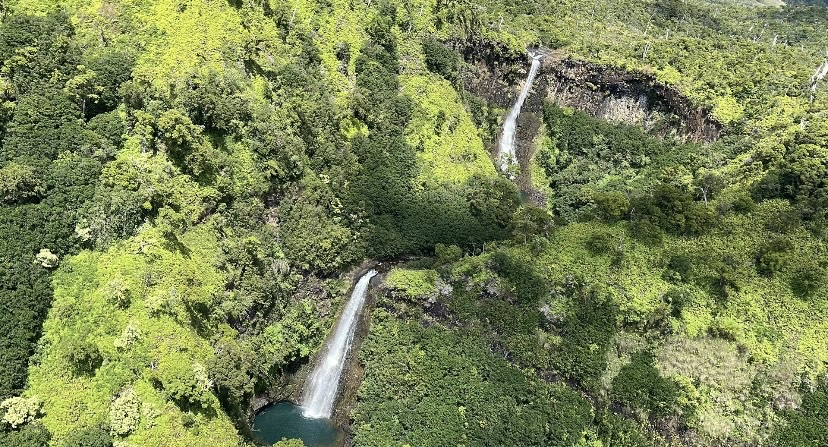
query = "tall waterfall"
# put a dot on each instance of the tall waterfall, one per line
(506, 151)
(323, 384)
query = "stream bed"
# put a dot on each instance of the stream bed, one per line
(285, 420)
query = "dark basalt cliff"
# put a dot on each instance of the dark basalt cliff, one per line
(495, 74)
(627, 97)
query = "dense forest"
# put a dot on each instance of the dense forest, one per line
(186, 186)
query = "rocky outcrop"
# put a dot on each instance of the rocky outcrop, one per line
(610, 93)
(620, 96)
(494, 73)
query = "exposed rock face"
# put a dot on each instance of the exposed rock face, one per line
(625, 97)
(610, 93)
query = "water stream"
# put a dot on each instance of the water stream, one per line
(322, 386)
(506, 150)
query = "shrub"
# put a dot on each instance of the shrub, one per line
(805, 427)
(89, 437)
(807, 279)
(611, 206)
(601, 243)
(726, 281)
(413, 283)
(83, 356)
(30, 435)
(681, 266)
(646, 232)
(639, 385)
(585, 337)
(446, 254)
(772, 256)
(441, 60)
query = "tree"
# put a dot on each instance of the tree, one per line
(96, 436)
(532, 221)
(611, 206)
(30, 435)
(640, 385)
(20, 410)
(19, 183)
(187, 384)
(440, 59)
(446, 254)
(124, 412)
(83, 356)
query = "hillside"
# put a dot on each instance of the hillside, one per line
(187, 188)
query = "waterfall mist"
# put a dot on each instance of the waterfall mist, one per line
(322, 386)
(506, 150)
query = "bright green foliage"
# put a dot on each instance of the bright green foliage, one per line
(412, 283)
(290, 443)
(214, 158)
(162, 362)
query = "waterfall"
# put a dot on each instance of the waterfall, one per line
(323, 384)
(506, 151)
(819, 75)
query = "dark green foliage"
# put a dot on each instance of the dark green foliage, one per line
(805, 427)
(511, 314)
(83, 356)
(611, 206)
(727, 278)
(30, 435)
(530, 220)
(529, 285)
(601, 243)
(215, 102)
(55, 57)
(640, 386)
(586, 334)
(593, 165)
(400, 218)
(492, 201)
(773, 256)
(89, 437)
(232, 373)
(675, 300)
(314, 236)
(432, 387)
(646, 232)
(808, 277)
(617, 431)
(674, 210)
(51, 162)
(43, 126)
(447, 254)
(441, 60)
(111, 68)
(681, 266)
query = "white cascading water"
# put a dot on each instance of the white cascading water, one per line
(323, 384)
(506, 151)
